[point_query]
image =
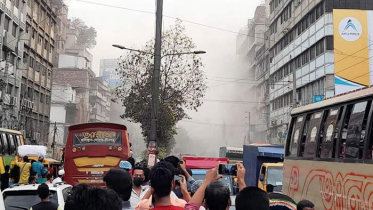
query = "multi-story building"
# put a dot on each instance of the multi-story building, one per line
(301, 40)
(100, 100)
(250, 44)
(38, 58)
(12, 33)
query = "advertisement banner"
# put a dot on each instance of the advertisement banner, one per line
(353, 64)
(111, 77)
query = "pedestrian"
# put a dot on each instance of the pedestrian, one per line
(270, 188)
(45, 204)
(14, 175)
(138, 191)
(25, 167)
(215, 197)
(85, 197)
(146, 179)
(5, 178)
(59, 179)
(252, 198)
(50, 178)
(32, 180)
(305, 205)
(38, 167)
(121, 182)
(125, 165)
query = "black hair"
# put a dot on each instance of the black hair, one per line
(167, 165)
(33, 161)
(25, 159)
(7, 167)
(31, 179)
(120, 181)
(161, 181)
(85, 197)
(33, 173)
(49, 176)
(270, 188)
(43, 191)
(173, 160)
(305, 203)
(252, 198)
(146, 173)
(138, 168)
(189, 172)
(217, 196)
(132, 161)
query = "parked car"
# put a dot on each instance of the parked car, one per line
(25, 196)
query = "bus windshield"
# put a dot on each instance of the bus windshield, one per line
(274, 176)
(100, 137)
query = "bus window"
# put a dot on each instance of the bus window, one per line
(19, 142)
(1, 145)
(329, 136)
(293, 147)
(342, 143)
(12, 143)
(304, 135)
(356, 130)
(312, 135)
(5, 143)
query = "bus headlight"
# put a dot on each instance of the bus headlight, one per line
(74, 149)
(83, 148)
(119, 149)
(110, 147)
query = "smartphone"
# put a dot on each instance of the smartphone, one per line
(228, 169)
(178, 179)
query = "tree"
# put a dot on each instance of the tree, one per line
(86, 35)
(182, 83)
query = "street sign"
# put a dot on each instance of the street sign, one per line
(317, 98)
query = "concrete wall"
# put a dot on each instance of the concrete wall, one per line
(70, 61)
(58, 113)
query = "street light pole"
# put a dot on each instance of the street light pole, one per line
(155, 85)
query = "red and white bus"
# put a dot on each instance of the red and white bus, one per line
(92, 149)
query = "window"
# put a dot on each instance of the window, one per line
(12, 143)
(356, 130)
(5, 143)
(319, 47)
(312, 51)
(328, 136)
(329, 43)
(14, 30)
(6, 24)
(19, 142)
(304, 135)
(295, 136)
(312, 135)
(41, 98)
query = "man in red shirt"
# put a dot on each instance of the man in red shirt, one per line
(162, 182)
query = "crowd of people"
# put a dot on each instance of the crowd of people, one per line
(27, 171)
(169, 185)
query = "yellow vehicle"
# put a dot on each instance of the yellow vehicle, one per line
(9, 141)
(329, 152)
(271, 173)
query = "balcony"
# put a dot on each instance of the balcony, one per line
(10, 42)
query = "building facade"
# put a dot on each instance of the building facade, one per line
(301, 38)
(99, 100)
(12, 33)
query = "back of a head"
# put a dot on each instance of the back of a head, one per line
(173, 160)
(92, 198)
(49, 176)
(252, 198)
(31, 179)
(43, 191)
(25, 159)
(270, 188)
(132, 161)
(161, 181)
(146, 173)
(167, 165)
(120, 181)
(217, 196)
(305, 204)
(7, 167)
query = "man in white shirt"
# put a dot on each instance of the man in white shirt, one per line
(138, 191)
(61, 174)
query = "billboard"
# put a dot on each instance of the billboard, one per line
(353, 49)
(108, 73)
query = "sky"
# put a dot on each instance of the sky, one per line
(222, 119)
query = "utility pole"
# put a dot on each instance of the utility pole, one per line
(294, 87)
(155, 84)
(54, 138)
